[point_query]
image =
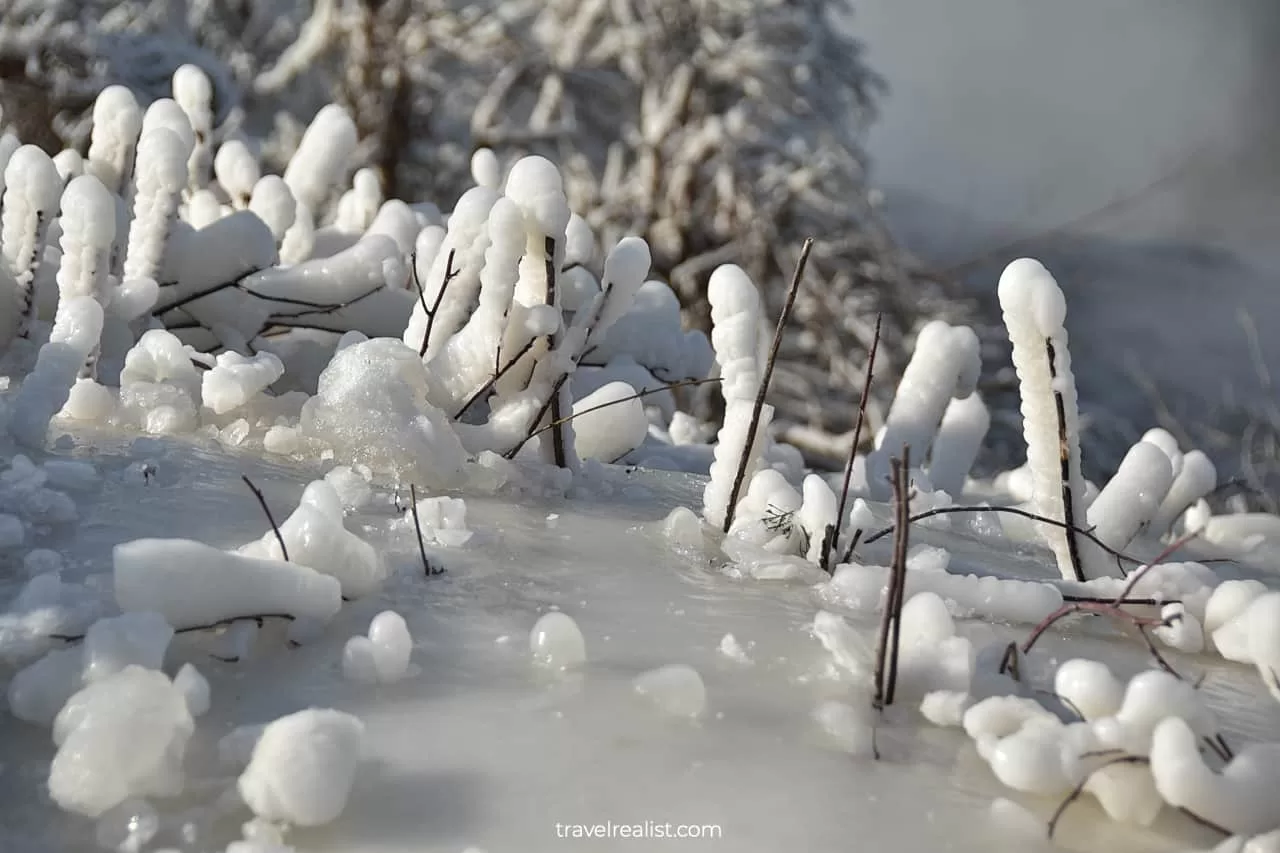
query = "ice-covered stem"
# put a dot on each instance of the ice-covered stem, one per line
(832, 543)
(161, 177)
(1129, 500)
(944, 365)
(958, 442)
(88, 233)
(1034, 314)
(763, 390)
(735, 331)
(735, 442)
(359, 205)
(1196, 479)
(113, 143)
(462, 252)
(239, 174)
(486, 171)
(194, 94)
(32, 190)
(274, 205)
(77, 328)
(320, 162)
(9, 143)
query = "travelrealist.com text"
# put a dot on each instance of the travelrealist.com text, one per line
(641, 830)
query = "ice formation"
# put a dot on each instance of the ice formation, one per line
(302, 767)
(557, 643)
(382, 655)
(167, 284)
(1035, 313)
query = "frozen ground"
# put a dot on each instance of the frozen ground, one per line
(475, 748)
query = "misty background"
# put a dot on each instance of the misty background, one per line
(1008, 119)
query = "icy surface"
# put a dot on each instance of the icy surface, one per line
(431, 778)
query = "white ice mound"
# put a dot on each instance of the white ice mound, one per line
(235, 379)
(112, 644)
(316, 538)
(556, 642)
(381, 656)
(442, 520)
(609, 422)
(193, 584)
(121, 737)
(371, 406)
(303, 767)
(675, 689)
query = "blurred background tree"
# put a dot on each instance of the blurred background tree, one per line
(719, 130)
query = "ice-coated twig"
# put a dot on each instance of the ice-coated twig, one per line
(449, 275)
(1114, 610)
(1008, 510)
(1034, 314)
(833, 538)
(266, 509)
(763, 390)
(944, 365)
(32, 190)
(113, 142)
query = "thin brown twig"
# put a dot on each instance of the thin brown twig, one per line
(1140, 572)
(191, 629)
(1009, 510)
(899, 570)
(833, 537)
(275, 528)
(493, 380)
(449, 275)
(1064, 464)
(763, 390)
(417, 529)
(885, 675)
(542, 413)
(559, 452)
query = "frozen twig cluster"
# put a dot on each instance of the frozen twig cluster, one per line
(738, 135)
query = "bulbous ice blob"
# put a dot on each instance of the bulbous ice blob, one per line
(676, 689)
(557, 643)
